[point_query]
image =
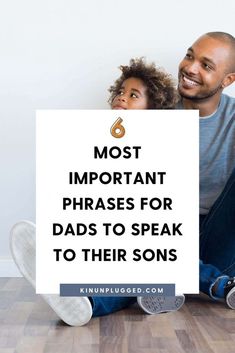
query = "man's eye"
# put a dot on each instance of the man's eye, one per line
(207, 67)
(188, 56)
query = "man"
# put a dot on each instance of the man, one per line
(207, 68)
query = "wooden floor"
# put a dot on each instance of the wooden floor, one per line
(28, 325)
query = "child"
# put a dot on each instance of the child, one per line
(140, 86)
(143, 86)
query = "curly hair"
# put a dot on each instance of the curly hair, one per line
(161, 90)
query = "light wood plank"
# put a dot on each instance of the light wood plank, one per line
(28, 325)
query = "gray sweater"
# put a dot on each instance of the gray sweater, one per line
(217, 151)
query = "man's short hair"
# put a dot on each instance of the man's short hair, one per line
(230, 40)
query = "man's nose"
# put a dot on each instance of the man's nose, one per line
(193, 68)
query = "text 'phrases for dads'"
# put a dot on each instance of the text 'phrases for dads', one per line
(117, 204)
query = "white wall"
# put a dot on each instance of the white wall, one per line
(64, 54)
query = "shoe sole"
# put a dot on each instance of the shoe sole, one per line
(74, 311)
(230, 298)
(160, 304)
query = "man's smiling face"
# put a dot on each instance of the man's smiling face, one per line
(203, 69)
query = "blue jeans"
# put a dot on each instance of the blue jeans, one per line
(107, 305)
(217, 250)
(217, 238)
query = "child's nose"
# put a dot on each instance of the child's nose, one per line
(122, 98)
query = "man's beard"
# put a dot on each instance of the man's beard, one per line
(200, 97)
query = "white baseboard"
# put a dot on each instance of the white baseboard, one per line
(8, 268)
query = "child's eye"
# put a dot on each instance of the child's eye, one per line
(134, 95)
(120, 93)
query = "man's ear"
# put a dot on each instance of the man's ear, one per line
(228, 80)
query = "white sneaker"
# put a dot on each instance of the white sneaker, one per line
(229, 292)
(160, 304)
(74, 311)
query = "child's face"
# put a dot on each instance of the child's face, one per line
(132, 95)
